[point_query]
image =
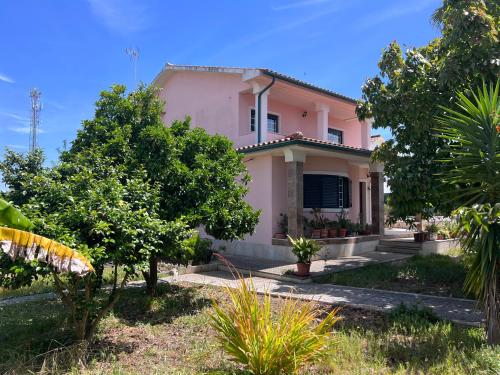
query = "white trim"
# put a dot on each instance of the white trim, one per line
(268, 112)
(343, 174)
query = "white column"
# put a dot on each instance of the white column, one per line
(322, 121)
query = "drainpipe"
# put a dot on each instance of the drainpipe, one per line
(259, 136)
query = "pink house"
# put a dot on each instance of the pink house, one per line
(303, 146)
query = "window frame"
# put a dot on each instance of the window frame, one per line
(278, 115)
(341, 135)
(329, 173)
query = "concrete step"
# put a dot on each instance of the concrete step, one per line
(406, 244)
(397, 249)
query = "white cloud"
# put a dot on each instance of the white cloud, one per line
(5, 78)
(298, 4)
(394, 12)
(23, 129)
(15, 116)
(121, 16)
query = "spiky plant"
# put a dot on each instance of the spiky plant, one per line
(473, 165)
(271, 343)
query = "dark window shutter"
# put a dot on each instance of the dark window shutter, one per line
(330, 189)
(312, 190)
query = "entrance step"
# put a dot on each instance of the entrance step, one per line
(398, 249)
(410, 243)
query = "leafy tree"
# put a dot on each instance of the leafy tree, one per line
(202, 179)
(104, 213)
(472, 131)
(18, 171)
(408, 94)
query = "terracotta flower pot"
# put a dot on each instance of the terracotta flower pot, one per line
(280, 236)
(342, 232)
(332, 232)
(303, 269)
(324, 233)
(316, 233)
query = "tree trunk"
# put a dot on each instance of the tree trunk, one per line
(493, 313)
(420, 221)
(151, 276)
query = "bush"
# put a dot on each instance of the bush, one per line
(267, 343)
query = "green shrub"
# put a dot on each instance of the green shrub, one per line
(267, 343)
(304, 249)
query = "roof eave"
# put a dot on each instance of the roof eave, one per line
(299, 142)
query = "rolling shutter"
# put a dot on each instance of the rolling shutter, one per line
(326, 191)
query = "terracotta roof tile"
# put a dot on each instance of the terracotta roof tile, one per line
(298, 137)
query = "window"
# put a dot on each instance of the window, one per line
(335, 136)
(272, 122)
(326, 191)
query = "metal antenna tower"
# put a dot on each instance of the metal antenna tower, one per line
(133, 53)
(36, 107)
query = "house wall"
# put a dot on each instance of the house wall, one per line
(211, 99)
(221, 102)
(260, 196)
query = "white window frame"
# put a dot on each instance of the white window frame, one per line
(269, 112)
(340, 130)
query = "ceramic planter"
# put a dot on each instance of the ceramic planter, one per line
(342, 232)
(280, 236)
(332, 232)
(316, 233)
(324, 233)
(303, 269)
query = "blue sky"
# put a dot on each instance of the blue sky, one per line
(71, 50)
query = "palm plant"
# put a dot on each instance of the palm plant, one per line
(16, 242)
(473, 166)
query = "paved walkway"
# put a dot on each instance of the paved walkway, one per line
(267, 268)
(457, 310)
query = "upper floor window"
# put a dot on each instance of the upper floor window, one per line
(335, 136)
(272, 122)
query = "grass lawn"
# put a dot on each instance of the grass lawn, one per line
(438, 275)
(170, 334)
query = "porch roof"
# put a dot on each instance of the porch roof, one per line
(298, 139)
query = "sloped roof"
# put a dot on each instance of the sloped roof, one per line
(298, 139)
(263, 71)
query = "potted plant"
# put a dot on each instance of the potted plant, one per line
(283, 224)
(343, 223)
(432, 229)
(367, 230)
(333, 228)
(304, 249)
(318, 222)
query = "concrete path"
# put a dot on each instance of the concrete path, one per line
(269, 268)
(457, 310)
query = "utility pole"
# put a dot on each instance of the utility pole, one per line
(36, 107)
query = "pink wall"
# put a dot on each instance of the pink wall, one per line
(211, 99)
(260, 196)
(221, 102)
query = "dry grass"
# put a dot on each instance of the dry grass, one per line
(170, 334)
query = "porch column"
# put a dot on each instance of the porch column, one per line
(294, 160)
(322, 111)
(377, 198)
(263, 112)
